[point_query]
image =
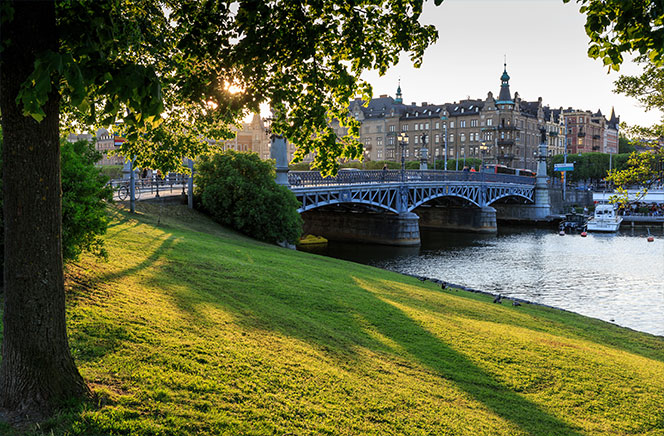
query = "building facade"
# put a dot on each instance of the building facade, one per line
(505, 130)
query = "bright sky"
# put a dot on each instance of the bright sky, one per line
(546, 48)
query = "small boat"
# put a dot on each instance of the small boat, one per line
(312, 240)
(573, 222)
(605, 219)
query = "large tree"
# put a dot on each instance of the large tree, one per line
(177, 73)
(635, 27)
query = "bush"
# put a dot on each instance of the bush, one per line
(238, 190)
(84, 199)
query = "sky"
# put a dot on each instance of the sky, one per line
(545, 45)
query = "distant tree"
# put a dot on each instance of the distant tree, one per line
(178, 74)
(624, 145)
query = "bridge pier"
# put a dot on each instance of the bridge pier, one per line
(479, 220)
(376, 228)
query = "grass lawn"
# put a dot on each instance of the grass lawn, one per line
(191, 329)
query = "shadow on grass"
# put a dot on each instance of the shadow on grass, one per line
(336, 322)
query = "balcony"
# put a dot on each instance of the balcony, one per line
(506, 141)
(581, 135)
(596, 136)
(553, 133)
(595, 147)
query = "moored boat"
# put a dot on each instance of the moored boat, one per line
(605, 219)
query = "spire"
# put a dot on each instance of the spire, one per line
(398, 100)
(614, 121)
(504, 96)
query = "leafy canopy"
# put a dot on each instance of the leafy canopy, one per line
(179, 74)
(624, 26)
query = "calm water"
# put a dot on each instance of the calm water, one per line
(618, 277)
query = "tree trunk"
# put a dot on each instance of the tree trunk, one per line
(37, 372)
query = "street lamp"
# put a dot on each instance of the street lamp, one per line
(443, 119)
(403, 142)
(424, 153)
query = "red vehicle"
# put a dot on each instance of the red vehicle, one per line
(502, 169)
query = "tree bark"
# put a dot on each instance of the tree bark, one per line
(37, 372)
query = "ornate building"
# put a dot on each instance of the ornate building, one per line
(505, 130)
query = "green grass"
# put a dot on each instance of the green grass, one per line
(191, 329)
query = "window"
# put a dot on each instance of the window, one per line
(379, 129)
(462, 123)
(462, 137)
(473, 123)
(451, 137)
(392, 127)
(451, 152)
(390, 154)
(380, 154)
(417, 139)
(367, 141)
(426, 126)
(437, 152)
(407, 153)
(437, 125)
(379, 141)
(489, 122)
(390, 140)
(404, 128)
(437, 139)
(416, 126)
(451, 124)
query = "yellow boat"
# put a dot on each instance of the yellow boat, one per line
(312, 240)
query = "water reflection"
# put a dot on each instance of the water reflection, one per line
(617, 277)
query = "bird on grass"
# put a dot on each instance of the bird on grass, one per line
(516, 303)
(497, 299)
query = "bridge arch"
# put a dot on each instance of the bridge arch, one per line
(510, 194)
(442, 195)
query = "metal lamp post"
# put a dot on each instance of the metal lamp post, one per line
(443, 119)
(403, 142)
(424, 153)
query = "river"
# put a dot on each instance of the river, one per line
(614, 277)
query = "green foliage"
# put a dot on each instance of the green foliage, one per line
(618, 26)
(135, 62)
(588, 166)
(238, 190)
(111, 171)
(643, 170)
(84, 201)
(624, 145)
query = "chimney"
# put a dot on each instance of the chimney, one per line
(424, 103)
(383, 96)
(414, 103)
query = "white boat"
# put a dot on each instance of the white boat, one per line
(605, 219)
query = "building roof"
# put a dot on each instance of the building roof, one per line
(505, 96)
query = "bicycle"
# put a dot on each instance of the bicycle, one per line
(124, 191)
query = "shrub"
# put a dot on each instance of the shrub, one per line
(238, 190)
(84, 197)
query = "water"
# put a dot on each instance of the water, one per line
(613, 277)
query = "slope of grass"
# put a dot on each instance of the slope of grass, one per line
(192, 329)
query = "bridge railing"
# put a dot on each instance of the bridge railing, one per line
(345, 177)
